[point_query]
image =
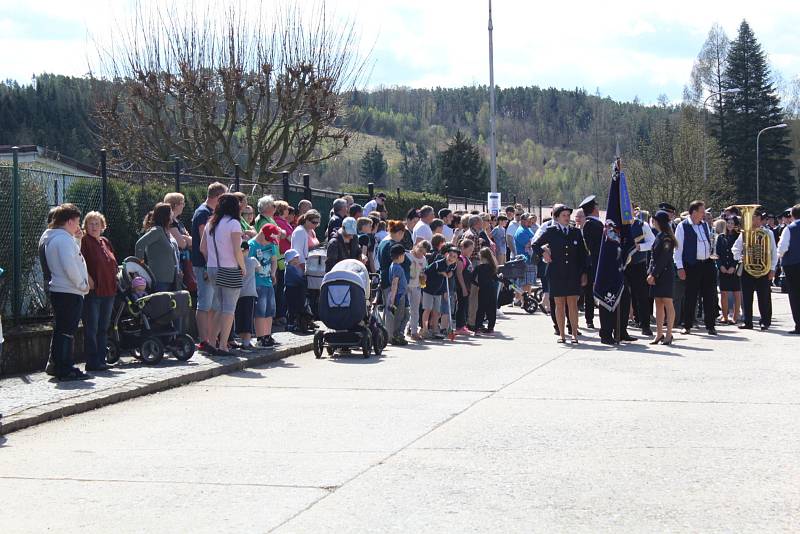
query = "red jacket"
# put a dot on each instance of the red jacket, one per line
(101, 265)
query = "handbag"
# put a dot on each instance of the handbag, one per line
(187, 271)
(228, 277)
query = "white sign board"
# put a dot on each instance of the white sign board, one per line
(494, 203)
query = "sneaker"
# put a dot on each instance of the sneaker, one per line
(463, 331)
(73, 375)
(267, 342)
(416, 337)
(223, 352)
(438, 335)
(206, 348)
(500, 314)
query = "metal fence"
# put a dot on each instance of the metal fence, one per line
(124, 197)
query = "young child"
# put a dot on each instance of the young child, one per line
(295, 291)
(264, 247)
(139, 287)
(415, 282)
(397, 302)
(437, 273)
(486, 280)
(464, 273)
(246, 305)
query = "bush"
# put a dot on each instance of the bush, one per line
(399, 206)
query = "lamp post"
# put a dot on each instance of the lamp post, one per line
(758, 137)
(730, 91)
(492, 126)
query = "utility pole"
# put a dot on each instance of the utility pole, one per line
(492, 126)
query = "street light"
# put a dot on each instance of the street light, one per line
(730, 91)
(781, 125)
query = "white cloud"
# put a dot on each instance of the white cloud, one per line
(645, 46)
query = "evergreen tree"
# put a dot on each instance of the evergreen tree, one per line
(753, 108)
(461, 167)
(374, 166)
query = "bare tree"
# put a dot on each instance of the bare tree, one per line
(669, 167)
(707, 74)
(219, 87)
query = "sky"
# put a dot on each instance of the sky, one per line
(624, 49)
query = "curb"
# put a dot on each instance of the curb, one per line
(113, 395)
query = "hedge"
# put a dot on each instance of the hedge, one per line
(397, 207)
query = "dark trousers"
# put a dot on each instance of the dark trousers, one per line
(761, 286)
(96, 320)
(700, 280)
(588, 303)
(280, 301)
(487, 307)
(636, 280)
(462, 307)
(66, 314)
(608, 319)
(295, 299)
(792, 284)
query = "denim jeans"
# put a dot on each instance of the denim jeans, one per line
(96, 320)
(67, 309)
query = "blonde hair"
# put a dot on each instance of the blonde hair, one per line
(94, 215)
(281, 207)
(719, 226)
(174, 199)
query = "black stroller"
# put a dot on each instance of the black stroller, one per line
(347, 312)
(513, 270)
(149, 326)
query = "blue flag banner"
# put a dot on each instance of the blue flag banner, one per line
(617, 245)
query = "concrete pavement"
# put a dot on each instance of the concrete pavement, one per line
(513, 433)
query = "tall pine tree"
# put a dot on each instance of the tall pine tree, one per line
(753, 108)
(374, 166)
(461, 168)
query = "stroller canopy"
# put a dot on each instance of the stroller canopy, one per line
(352, 271)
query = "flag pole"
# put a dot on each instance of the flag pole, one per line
(617, 331)
(492, 125)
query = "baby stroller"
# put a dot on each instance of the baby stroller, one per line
(149, 326)
(514, 270)
(346, 311)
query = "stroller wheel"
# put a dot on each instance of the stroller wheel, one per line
(529, 304)
(377, 340)
(183, 347)
(330, 350)
(366, 344)
(384, 337)
(151, 351)
(112, 352)
(318, 344)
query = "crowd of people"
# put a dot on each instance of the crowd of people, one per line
(440, 271)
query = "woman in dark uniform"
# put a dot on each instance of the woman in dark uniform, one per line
(661, 276)
(729, 282)
(568, 267)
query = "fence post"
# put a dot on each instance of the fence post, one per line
(398, 194)
(529, 205)
(16, 230)
(177, 175)
(307, 187)
(55, 192)
(371, 189)
(285, 183)
(103, 181)
(236, 181)
(466, 208)
(515, 200)
(540, 211)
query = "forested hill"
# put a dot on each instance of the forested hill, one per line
(552, 143)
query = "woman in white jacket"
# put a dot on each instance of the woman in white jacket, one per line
(304, 236)
(68, 282)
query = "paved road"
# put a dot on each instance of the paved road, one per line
(514, 434)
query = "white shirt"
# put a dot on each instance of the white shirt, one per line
(511, 230)
(541, 229)
(783, 244)
(370, 206)
(703, 244)
(739, 245)
(448, 232)
(422, 231)
(300, 242)
(647, 243)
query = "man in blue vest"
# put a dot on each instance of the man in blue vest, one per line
(789, 252)
(693, 260)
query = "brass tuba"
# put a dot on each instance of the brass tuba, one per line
(756, 250)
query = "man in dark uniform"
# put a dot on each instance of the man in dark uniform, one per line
(593, 237)
(789, 253)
